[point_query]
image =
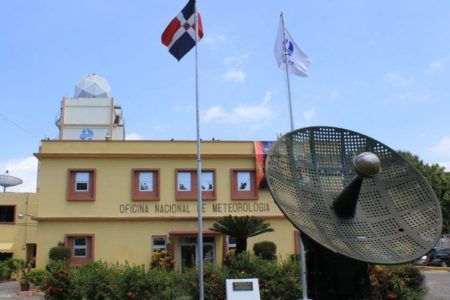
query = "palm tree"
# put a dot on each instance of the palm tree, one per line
(241, 228)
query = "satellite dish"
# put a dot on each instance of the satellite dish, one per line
(353, 195)
(8, 180)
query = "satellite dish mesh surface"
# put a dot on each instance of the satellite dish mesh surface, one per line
(397, 218)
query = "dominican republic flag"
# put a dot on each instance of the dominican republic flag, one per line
(179, 36)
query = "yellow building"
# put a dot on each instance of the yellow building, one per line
(17, 229)
(116, 201)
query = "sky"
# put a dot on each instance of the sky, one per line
(381, 68)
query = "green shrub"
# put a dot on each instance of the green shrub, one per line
(38, 277)
(5, 271)
(98, 280)
(278, 279)
(402, 282)
(59, 253)
(60, 284)
(162, 259)
(265, 250)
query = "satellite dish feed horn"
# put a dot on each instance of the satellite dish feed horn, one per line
(366, 165)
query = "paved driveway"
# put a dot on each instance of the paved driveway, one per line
(438, 283)
(8, 290)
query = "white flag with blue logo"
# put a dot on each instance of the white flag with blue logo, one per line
(287, 50)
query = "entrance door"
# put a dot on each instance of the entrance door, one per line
(188, 251)
(188, 256)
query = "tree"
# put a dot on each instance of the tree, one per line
(439, 180)
(241, 228)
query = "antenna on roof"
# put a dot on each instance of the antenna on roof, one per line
(8, 180)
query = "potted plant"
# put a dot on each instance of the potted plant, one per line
(24, 279)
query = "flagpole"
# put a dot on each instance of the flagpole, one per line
(287, 75)
(288, 82)
(199, 168)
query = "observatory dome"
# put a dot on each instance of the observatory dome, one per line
(92, 86)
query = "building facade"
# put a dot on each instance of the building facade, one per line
(119, 200)
(18, 236)
(114, 200)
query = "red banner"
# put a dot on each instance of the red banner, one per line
(261, 150)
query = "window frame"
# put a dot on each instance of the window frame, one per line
(14, 207)
(69, 242)
(192, 194)
(253, 194)
(136, 193)
(156, 237)
(81, 195)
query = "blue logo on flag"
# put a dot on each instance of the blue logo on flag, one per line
(86, 134)
(289, 46)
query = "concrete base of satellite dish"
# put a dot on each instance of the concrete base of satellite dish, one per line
(8, 181)
(356, 202)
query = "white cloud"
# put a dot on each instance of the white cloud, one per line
(309, 114)
(443, 147)
(435, 66)
(214, 39)
(134, 136)
(242, 113)
(395, 79)
(25, 169)
(446, 165)
(234, 61)
(235, 75)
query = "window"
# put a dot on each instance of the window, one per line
(7, 214)
(243, 184)
(231, 243)
(81, 184)
(159, 242)
(81, 247)
(145, 184)
(184, 181)
(186, 184)
(82, 181)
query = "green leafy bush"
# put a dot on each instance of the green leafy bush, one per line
(59, 253)
(265, 250)
(162, 259)
(8, 267)
(402, 282)
(38, 277)
(60, 284)
(278, 279)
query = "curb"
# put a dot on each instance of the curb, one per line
(430, 268)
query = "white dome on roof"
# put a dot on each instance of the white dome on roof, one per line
(92, 86)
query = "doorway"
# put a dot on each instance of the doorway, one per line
(188, 252)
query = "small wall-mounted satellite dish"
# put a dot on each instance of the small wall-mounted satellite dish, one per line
(8, 180)
(353, 195)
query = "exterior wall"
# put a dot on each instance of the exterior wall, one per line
(122, 228)
(96, 114)
(22, 231)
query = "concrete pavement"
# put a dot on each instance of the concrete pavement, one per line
(10, 290)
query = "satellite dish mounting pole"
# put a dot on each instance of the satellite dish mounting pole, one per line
(291, 118)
